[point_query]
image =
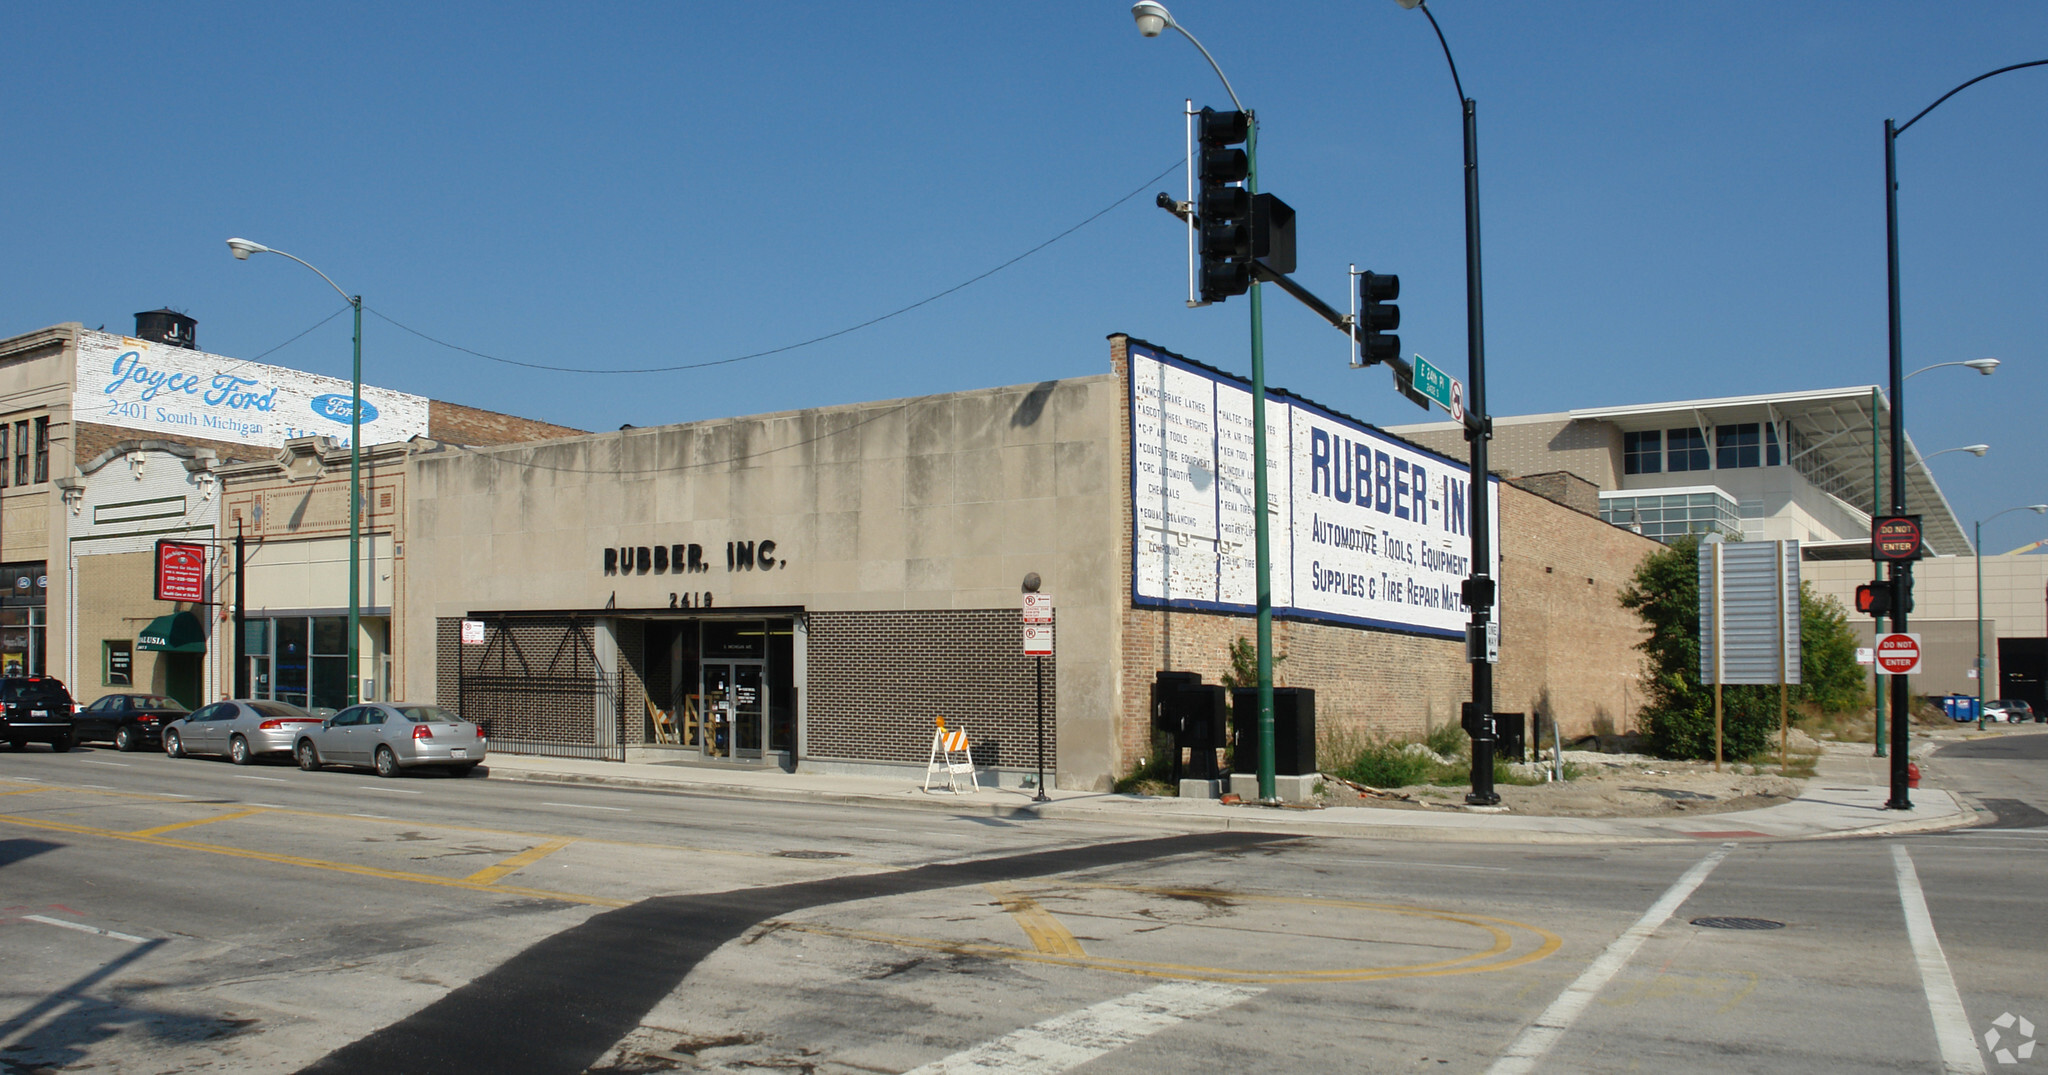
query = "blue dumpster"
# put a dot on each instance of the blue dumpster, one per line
(1960, 707)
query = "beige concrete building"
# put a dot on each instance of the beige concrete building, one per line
(816, 588)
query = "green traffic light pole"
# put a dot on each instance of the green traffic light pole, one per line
(242, 248)
(1977, 542)
(1153, 18)
(1902, 570)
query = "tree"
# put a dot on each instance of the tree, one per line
(1679, 714)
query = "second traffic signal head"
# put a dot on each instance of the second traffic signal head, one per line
(1378, 317)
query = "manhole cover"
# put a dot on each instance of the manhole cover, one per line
(811, 854)
(1737, 923)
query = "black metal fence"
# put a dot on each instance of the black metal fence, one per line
(563, 705)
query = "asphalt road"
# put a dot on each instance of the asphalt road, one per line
(169, 915)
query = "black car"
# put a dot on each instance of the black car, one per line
(36, 709)
(129, 721)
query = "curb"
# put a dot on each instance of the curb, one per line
(1252, 820)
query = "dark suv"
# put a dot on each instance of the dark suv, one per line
(36, 709)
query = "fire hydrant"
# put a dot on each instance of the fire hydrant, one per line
(1912, 774)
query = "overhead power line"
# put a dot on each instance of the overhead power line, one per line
(1141, 188)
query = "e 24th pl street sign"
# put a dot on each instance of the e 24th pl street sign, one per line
(1899, 655)
(1446, 390)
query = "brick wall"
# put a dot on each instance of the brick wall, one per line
(456, 424)
(1567, 646)
(92, 439)
(878, 679)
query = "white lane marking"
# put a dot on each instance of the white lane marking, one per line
(379, 817)
(272, 779)
(99, 787)
(1951, 1026)
(82, 928)
(1068, 1041)
(115, 764)
(270, 806)
(587, 806)
(394, 791)
(1549, 1027)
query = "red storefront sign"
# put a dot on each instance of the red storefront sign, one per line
(180, 571)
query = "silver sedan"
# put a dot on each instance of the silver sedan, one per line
(392, 737)
(242, 729)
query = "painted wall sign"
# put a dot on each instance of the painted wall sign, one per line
(1363, 528)
(136, 384)
(180, 571)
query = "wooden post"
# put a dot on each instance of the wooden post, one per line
(1783, 672)
(1720, 655)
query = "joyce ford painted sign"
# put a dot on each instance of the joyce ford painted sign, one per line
(1364, 528)
(123, 381)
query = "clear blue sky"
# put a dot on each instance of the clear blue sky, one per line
(1680, 200)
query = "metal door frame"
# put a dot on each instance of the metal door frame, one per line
(734, 750)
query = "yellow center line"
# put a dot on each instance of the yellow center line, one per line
(1044, 931)
(490, 875)
(310, 863)
(20, 791)
(175, 826)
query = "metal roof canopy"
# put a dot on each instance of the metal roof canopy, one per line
(1834, 425)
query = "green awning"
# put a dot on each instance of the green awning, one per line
(178, 632)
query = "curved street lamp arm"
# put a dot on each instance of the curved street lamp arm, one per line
(1901, 129)
(1234, 102)
(1455, 84)
(330, 283)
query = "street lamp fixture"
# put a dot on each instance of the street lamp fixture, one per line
(1982, 365)
(1977, 450)
(241, 249)
(1977, 546)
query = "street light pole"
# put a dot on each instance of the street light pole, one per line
(1153, 18)
(1902, 570)
(1478, 430)
(241, 249)
(1977, 544)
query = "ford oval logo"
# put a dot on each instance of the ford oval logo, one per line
(335, 406)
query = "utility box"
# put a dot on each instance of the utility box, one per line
(1510, 735)
(1294, 731)
(1193, 714)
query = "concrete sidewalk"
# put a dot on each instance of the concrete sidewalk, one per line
(1845, 798)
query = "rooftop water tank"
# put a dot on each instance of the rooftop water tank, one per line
(167, 326)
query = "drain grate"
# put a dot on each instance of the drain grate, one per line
(1713, 922)
(811, 854)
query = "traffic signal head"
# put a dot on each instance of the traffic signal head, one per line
(1880, 599)
(1223, 207)
(1378, 317)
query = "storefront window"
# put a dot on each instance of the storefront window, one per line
(300, 659)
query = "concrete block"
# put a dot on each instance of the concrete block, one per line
(1204, 789)
(1291, 789)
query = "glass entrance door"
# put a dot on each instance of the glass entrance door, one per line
(735, 702)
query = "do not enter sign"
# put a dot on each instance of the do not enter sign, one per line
(1899, 655)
